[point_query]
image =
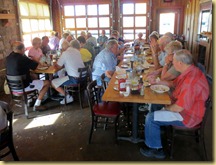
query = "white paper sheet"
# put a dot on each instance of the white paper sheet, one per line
(164, 115)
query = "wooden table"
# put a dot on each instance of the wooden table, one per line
(50, 70)
(149, 97)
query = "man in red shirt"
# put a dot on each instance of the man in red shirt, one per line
(191, 90)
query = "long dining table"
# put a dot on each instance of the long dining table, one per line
(150, 96)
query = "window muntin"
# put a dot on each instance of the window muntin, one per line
(35, 21)
(133, 19)
(87, 17)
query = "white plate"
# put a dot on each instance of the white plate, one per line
(124, 66)
(43, 68)
(115, 88)
(121, 76)
(160, 88)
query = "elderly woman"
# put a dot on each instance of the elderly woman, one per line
(191, 90)
(139, 41)
(168, 71)
(35, 53)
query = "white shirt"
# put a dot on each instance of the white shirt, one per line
(60, 43)
(71, 59)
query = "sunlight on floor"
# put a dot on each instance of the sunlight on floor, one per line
(43, 121)
(14, 120)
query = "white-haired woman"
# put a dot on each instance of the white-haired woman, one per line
(139, 41)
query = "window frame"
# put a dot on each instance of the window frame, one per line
(37, 17)
(134, 15)
(86, 16)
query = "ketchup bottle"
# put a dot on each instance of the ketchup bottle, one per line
(122, 84)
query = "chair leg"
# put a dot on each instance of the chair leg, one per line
(172, 143)
(91, 131)
(80, 99)
(25, 106)
(116, 129)
(13, 151)
(105, 125)
(202, 139)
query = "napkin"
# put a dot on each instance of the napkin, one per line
(164, 115)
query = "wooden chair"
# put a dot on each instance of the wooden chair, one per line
(80, 87)
(18, 93)
(89, 65)
(6, 135)
(197, 132)
(105, 110)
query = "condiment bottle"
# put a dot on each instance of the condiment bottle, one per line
(122, 84)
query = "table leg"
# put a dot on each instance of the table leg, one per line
(134, 138)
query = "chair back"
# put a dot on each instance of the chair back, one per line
(104, 83)
(92, 92)
(208, 105)
(83, 76)
(15, 83)
(89, 64)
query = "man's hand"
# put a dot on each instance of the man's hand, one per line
(109, 73)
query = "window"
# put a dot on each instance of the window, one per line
(87, 17)
(166, 23)
(35, 21)
(133, 19)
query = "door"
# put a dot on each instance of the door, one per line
(168, 21)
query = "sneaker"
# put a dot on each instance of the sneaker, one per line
(39, 108)
(69, 100)
(153, 153)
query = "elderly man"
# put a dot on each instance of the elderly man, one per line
(18, 64)
(102, 39)
(90, 39)
(85, 54)
(105, 62)
(191, 90)
(71, 61)
(45, 45)
(159, 57)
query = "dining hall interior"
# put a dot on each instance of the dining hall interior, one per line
(97, 89)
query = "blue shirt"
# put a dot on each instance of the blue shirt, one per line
(162, 57)
(104, 61)
(102, 39)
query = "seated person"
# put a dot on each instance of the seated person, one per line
(191, 90)
(105, 62)
(102, 39)
(85, 54)
(35, 53)
(168, 71)
(139, 41)
(71, 61)
(64, 37)
(54, 41)
(169, 34)
(18, 64)
(91, 40)
(69, 38)
(159, 56)
(45, 45)
(87, 46)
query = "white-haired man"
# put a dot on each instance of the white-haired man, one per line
(105, 62)
(71, 61)
(191, 90)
